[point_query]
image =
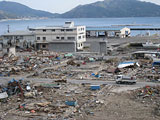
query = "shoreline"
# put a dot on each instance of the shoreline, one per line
(4, 20)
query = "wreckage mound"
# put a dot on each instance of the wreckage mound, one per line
(150, 96)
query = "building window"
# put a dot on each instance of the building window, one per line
(38, 38)
(43, 46)
(17, 41)
(62, 38)
(44, 30)
(81, 44)
(79, 37)
(71, 38)
(69, 30)
(20, 37)
(62, 30)
(57, 37)
(53, 30)
(44, 38)
(83, 36)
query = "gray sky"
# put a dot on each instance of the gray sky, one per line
(60, 6)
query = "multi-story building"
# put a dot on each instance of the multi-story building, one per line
(67, 38)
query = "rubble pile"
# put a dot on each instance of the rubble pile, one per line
(22, 65)
(149, 96)
(58, 100)
(82, 67)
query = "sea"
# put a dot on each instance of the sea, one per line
(131, 22)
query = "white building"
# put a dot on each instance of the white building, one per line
(69, 38)
(61, 34)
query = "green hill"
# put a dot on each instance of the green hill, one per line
(4, 15)
(114, 8)
(17, 10)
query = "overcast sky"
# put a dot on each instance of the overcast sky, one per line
(60, 6)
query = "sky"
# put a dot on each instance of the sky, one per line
(60, 6)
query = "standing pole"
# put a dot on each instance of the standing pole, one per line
(8, 29)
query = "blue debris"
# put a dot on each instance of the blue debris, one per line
(71, 103)
(95, 87)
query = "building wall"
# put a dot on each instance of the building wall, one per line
(21, 41)
(103, 47)
(94, 47)
(12, 51)
(58, 46)
(62, 47)
(77, 34)
(0, 46)
(100, 47)
(124, 32)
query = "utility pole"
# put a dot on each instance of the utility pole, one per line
(8, 29)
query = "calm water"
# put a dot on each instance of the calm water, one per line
(128, 22)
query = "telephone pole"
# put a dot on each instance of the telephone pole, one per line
(8, 29)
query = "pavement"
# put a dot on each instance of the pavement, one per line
(4, 80)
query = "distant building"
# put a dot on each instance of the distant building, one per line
(22, 39)
(67, 38)
(108, 32)
(60, 39)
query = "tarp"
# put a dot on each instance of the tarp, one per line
(156, 63)
(71, 103)
(91, 59)
(3, 95)
(68, 55)
(95, 75)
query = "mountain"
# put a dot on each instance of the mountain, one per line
(114, 8)
(4, 15)
(17, 10)
(101, 9)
